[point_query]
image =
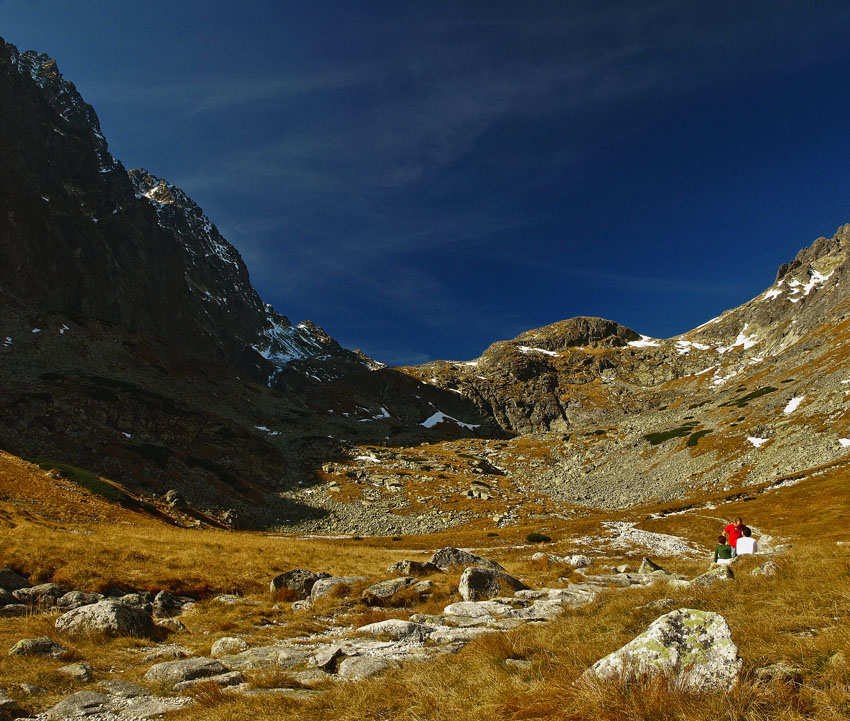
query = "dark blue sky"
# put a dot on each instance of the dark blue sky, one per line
(424, 178)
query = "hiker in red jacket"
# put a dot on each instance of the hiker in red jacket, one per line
(734, 531)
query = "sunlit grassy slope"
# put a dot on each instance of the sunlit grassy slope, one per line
(800, 617)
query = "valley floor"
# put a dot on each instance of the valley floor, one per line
(798, 617)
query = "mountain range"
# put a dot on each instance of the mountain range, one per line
(132, 343)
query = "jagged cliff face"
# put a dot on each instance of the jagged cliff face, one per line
(132, 341)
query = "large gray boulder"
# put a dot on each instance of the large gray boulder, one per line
(166, 605)
(398, 629)
(480, 584)
(171, 673)
(109, 618)
(391, 592)
(694, 648)
(721, 572)
(357, 667)
(228, 645)
(41, 646)
(333, 585)
(449, 557)
(12, 580)
(45, 594)
(295, 585)
(264, 657)
(81, 705)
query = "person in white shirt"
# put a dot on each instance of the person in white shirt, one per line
(746, 544)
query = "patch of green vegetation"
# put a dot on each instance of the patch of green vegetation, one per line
(744, 400)
(693, 439)
(600, 432)
(351, 474)
(396, 538)
(697, 405)
(661, 436)
(663, 408)
(414, 459)
(426, 467)
(468, 455)
(788, 380)
(492, 534)
(90, 481)
(537, 538)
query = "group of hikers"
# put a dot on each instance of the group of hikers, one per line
(736, 540)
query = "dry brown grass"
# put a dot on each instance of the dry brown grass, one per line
(799, 617)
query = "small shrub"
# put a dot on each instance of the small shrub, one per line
(693, 439)
(537, 538)
(492, 534)
(661, 436)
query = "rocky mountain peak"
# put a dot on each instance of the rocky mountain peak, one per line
(74, 113)
(579, 331)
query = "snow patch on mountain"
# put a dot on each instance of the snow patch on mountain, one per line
(439, 417)
(644, 342)
(793, 403)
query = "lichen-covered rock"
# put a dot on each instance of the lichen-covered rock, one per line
(79, 671)
(722, 572)
(228, 645)
(110, 618)
(383, 592)
(172, 625)
(356, 667)
(296, 584)
(480, 584)
(769, 568)
(333, 585)
(694, 648)
(77, 599)
(171, 673)
(578, 560)
(41, 646)
(80, 704)
(328, 658)
(166, 605)
(449, 557)
(398, 629)
(45, 594)
(264, 657)
(231, 678)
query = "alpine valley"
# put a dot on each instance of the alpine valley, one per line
(146, 387)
